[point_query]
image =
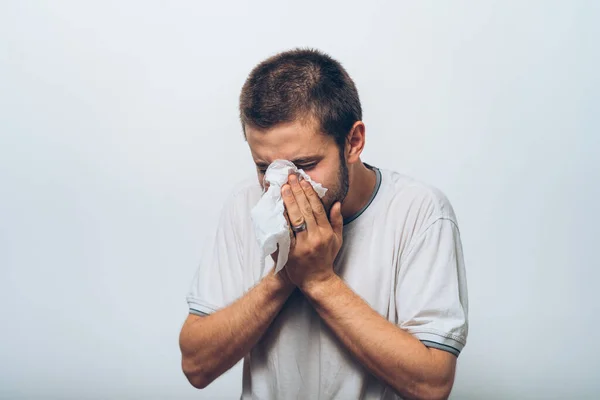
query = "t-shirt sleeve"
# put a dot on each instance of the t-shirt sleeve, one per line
(431, 290)
(219, 278)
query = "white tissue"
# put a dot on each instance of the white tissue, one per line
(270, 225)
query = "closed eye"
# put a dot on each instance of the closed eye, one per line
(307, 167)
(302, 167)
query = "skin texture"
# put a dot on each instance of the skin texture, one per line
(212, 344)
(320, 158)
(388, 352)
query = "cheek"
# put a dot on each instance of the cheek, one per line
(320, 175)
(325, 178)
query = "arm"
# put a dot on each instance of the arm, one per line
(213, 344)
(386, 350)
(390, 353)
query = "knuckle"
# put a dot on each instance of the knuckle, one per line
(297, 221)
(289, 200)
(316, 243)
(307, 209)
(319, 211)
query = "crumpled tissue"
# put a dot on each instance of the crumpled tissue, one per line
(270, 226)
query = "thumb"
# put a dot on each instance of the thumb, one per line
(337, 221)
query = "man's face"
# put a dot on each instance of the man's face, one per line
(309, 149)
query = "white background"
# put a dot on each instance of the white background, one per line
(120, 140)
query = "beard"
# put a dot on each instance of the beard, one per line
(340, 190)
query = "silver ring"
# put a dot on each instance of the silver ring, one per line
(299, 228)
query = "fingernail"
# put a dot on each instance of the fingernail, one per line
(305, 184)
(286, 191)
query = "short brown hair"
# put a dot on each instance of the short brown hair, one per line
(297, 84)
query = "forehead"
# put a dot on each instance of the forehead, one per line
(288, 141)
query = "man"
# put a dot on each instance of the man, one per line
(372, 303)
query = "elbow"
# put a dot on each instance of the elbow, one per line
(438, 393)
(429, 391)
(195, 374)
(434, 386)
(195, 368)
(198, 382)
(193, 364)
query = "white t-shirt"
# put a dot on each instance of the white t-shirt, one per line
(402, 254)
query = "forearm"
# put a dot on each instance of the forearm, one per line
(388, 352)
(212, 344)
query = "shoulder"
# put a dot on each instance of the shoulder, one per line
(414, 200)
(244, 195)
(234, 220)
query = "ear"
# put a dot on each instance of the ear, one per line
(355, 142)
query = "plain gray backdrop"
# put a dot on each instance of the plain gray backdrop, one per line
(120, 140)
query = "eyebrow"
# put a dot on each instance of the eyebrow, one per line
(300, 160)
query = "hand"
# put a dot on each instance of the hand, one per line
(275, 254)
(281, 277)
(314, 249)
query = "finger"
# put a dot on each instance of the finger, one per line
(337, 221)
(316, 204)
(303, 204)
(291, 205)
(290, 231)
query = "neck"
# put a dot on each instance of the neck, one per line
(362, 184)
